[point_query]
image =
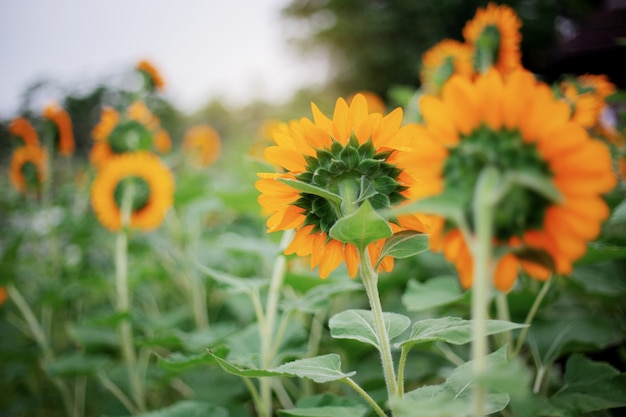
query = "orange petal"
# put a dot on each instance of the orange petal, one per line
(438, 121)
(506, 272)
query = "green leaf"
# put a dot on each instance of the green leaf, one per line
(231, 368)
(359, 325)
(313, 189)
(178, 362)
(362, 227)
(435, 292)
(92, 336)
(187, 409)
(454, 330)
(319, 296)
(236, 284)
(405, 244)
(320, 369)
(590, 386)
(601, 252)
(618, 216)
(77, 364)
(453, 397)
(367, 189)
(446, 204)
(329, 411)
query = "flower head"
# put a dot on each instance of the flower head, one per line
(152, 195)
(516, 125)
(151, 75)
(353, 157)
(202, 145)
(63, 128)
(443, 60)
(586, 96)
(28, 168)
(494, 33)
(21, 128)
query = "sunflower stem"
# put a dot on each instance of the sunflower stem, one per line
(531, 315)
(125, 329)
(370, 282)
(482, 251)
(348, 381)
(267, 329)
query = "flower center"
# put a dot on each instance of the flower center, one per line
(141, 192)
(356, 173)
(129, 137)
(521, 208)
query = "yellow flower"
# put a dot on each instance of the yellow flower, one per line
(24, 130)
(202, 145)
(354, 149)
(63, 126)
(586, 95)
(153, 194)
(265, 137)
(109, 118)
(494, 33)
(516, 125)
(162, 141)
(28, 167)
(375, 104)
(139, 112)
(443, 60)
(152, 75)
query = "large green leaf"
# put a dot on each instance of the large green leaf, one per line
(454, 330)
(320, 369)
(178, 362)
(77, 364)
(405, 244)
(362, 227)
(329, 411)
(435, 292)
(453, 398)
(359, 325)
(187, 409)
(235, 369)
(590, 386)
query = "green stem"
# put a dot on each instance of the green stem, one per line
(267, 330)
(365, 395)
(482, 251)
(39, 335)
(117, 393)
(123, 301)
(531, 315)
(502, 304)
(404, 353)
(370, 282)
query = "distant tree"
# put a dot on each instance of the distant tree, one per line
(375, 44)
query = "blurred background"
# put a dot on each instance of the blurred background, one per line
(257, 59)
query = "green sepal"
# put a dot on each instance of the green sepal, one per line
(361, 227)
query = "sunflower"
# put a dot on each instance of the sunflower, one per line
(139, 112)
(28, 167)
(375, 104)
(516, 125)
(440, 62)
(109, 118)
(153, 186)
(162, 141)
(202, 145)
(63, 128)
(355, 151)
(151, 75)
(494, 33)
(21, 128)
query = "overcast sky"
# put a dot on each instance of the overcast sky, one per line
(232, 49)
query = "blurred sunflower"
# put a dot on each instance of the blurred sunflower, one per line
(62, 125)
(151, 75)
(494, 34)
(21, 128)
(3, 295)
(357, 153)
(443, 60)
(375, 103)
(136, 130)
(202, 145)
(516, 125)
(153, 191)
(28, 168)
